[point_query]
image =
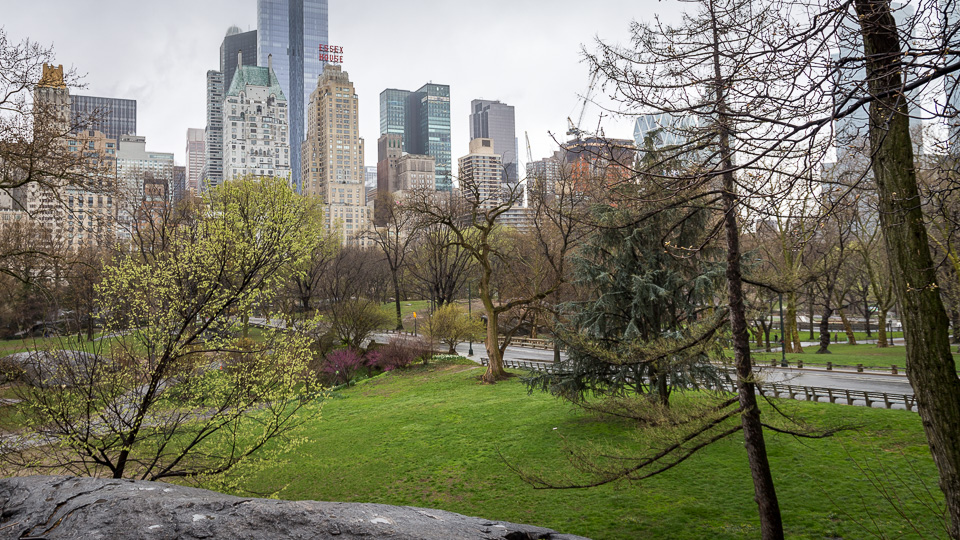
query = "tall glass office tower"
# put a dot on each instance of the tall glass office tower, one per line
(292, 31)
(393, 108)
(423, 119)
(432, 102)
(495, 120)
(113, 116)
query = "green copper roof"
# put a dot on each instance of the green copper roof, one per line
(255, 76)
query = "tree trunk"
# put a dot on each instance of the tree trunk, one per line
(791, 335)
(851, 338)
(810, 299)
(495, 371)
(765, 494)
(866, 316)
(825, 330)
(882, 329)
(396, 297)
(663, 389)
(930, 365)
(766, 334)
(771, 524)
(955, 316)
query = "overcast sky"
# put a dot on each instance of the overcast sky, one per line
(522, 52)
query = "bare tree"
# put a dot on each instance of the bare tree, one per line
(473, 217)
(394, 232)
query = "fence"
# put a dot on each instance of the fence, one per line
(533, 343)
(776, 390)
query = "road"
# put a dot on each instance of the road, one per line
(840, 380)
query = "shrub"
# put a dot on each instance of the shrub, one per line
(341, 366)
(400, 352)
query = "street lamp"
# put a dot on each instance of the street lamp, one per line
(783, 336)
(470, 315)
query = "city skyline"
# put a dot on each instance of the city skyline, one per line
(163, 65)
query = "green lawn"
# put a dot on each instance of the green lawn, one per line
(805, 335)
(432, 437)
(842, 354)
(407, 309)
(59, 342)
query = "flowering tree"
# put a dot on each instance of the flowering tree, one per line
(180, 392)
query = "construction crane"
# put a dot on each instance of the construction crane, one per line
(529, 152)
(574, 128)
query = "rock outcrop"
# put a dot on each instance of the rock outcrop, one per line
(61, 507)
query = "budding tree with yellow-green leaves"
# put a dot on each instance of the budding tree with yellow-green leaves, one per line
(181, 389)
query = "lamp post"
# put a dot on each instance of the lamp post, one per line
(470, 315)
(783, 336)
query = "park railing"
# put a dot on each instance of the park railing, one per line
(830, 366)
(776, 390)
(533, 343)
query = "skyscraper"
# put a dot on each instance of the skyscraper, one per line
(430, 106)
(212, 173)
(237, 44)
(111, 116)
(196, 157)
(423, 120)
(292, 31)
(495, 120)
(393, 108)
(333, 167)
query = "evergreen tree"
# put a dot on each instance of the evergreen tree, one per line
(651, 287)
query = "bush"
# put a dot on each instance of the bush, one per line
(400, 352)
(341, 366)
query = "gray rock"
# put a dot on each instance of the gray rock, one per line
(48, 368)
(61, 507)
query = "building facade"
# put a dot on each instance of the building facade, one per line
(389, 150)
(255, 125)
(137, 166)
(178, 187)
(332, 157)
(495, 120)
(416, 172)
(111, 116)
(196, 154)
(77, 210)
(292, 31)
(481, 174)
(422, 118)
(544, 174)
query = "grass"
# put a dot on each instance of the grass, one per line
(805, 335)
(407, 309)
(842, 354)
(57, 342)
(433, 437)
